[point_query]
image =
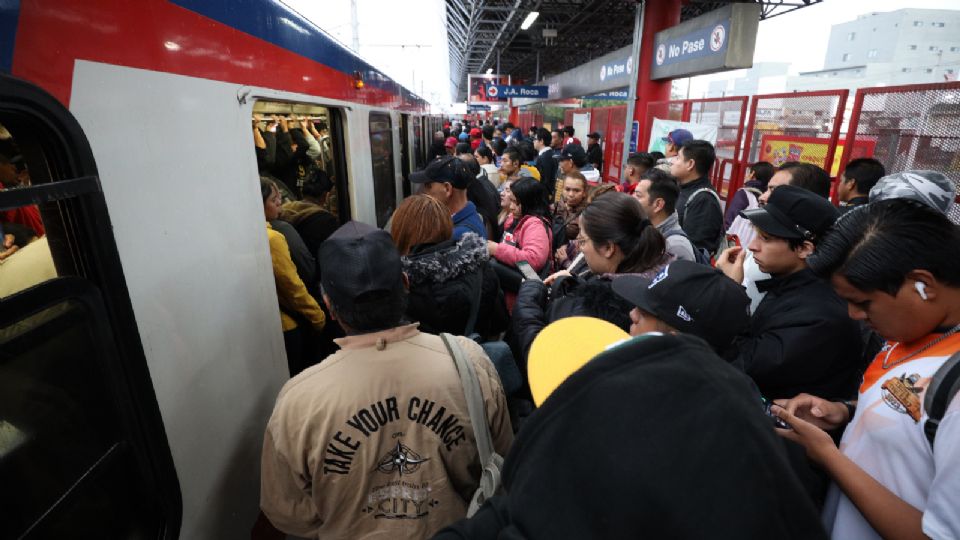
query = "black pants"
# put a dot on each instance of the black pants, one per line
(293, 343)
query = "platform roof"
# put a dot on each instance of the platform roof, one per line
(586, 29)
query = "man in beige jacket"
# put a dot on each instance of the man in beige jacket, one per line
(376, 440)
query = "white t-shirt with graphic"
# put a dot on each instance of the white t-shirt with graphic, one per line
(886, 439)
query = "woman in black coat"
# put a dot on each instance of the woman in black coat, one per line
(452, 287)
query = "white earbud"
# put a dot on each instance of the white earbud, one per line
(921, 288)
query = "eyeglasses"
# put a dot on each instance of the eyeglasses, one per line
(581, 240)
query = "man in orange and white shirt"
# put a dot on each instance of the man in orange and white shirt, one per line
(895, 263)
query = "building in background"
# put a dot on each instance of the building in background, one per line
(762, 78)
(907, 46)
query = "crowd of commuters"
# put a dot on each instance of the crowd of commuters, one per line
(763, 331)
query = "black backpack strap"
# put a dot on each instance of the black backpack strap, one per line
(475, 281)
(943, 387)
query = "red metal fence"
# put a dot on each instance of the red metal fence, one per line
(799, 126)
(908, 127)
(609, 122)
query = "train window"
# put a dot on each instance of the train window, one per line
(384, 181)
(64, 454)
(405, 153)
(300, 144)
(82, 443)
(418, 152)
(25, 258)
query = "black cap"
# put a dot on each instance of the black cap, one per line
(693, 298)
(793, 212)
(575, 152)
(444, 169)
(593, 135)
(357, 260)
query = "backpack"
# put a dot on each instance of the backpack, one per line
(490, 460)
(943, 387)
(700, 255)
(722, 241)
(559, 227)
(741, 226)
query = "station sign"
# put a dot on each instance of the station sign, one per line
(719, 40)
(620, 95)
(517, 91)
(476, 108)
(480, 87)
(620, 68)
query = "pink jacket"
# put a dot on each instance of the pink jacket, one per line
(533, 244)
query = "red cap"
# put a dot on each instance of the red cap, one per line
(475, 132)
(451, 142)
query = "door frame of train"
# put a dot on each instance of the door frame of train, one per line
(66, 186)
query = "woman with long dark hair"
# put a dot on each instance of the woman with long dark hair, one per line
(527, 237)
(616, 238)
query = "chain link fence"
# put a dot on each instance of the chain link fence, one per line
(908, 128)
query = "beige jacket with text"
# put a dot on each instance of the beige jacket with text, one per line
(376, 440)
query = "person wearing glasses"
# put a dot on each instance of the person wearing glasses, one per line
(616, 238)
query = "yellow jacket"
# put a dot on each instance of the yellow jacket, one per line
(291, 292)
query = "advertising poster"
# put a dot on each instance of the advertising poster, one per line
(661, 128)
(483, 88)
(778, 149)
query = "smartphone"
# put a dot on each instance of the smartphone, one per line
(777, 422)
(527, 271)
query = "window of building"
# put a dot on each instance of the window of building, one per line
(872, 53)
(913, 47)
(918, 23)
(932, 48)
(384, 182)
(948, 71)
(845, 57)
(851, 36)
(954, 49)
(928, 70)
(905, 70)
(938, 24)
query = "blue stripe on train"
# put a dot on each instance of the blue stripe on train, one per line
(276, 23)
(9, 13)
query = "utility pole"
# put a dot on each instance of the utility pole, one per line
(355, 26)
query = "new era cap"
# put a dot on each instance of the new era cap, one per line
(451, 142)
(678, 137)
(693, 298)
(444, 169)
(475, 132)
(793, 212)
(359, 260)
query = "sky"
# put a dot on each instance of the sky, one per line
(408, 40)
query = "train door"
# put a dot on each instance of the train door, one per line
(281, 129)
(381, 155)
(82, 444)
(405, 153)
(419, 150)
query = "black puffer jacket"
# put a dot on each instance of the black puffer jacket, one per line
(800, 339)
(654, 438)
(441, 292)
(569, 297)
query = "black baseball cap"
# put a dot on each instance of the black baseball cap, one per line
(693, 298)
(444, 169)
(593, 135)
(359, 260)
(794, 212)
(575, 152)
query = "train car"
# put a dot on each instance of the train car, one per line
(141, 343)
